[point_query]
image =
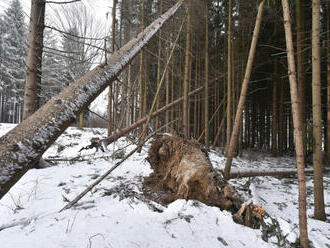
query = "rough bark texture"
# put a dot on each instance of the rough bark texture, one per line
(183, 170)
(300, 8)
(319, 211)
(298, 132)
(34, 58)
(22, 147)
(238, 117)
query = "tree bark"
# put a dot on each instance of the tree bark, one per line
(274, 115)
(297, 126)
(23, 146)
(300, 8)
(238, 117)
(112, 50)
(206, 105)
(319, 211)
(34, 58)
(229, 74)
(328, 104)
(158, 61)
(185, 117)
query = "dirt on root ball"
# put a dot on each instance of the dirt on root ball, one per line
(182, 170)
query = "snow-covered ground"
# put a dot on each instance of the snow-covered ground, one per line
(117, 214)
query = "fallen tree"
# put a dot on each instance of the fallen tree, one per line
(21, 148)
(243, 172)
(182, 169)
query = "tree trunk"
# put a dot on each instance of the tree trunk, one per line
(319, 212)
(23, 146)
(229, 74)
(328, 104)
(238, 117)
(112, 50)
(34, 58)
(206, 105)
(141, 81)
(274, 115)
(158, 61)
(185, 122)
(300, 8)
(298, 132)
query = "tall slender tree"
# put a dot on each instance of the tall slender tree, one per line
(328, 79)
(319, 211)
(206, 105)
(238, 118)
(229, 71)
(298, 132)
(34, 58)
(185, 111)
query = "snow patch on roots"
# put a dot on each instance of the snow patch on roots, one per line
(182, 169)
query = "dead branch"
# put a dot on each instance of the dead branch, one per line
(140, 122)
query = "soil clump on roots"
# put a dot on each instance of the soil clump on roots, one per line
(182, 170)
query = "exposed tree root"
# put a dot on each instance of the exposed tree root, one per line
(182, 170)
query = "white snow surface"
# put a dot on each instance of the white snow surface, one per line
(116, 213)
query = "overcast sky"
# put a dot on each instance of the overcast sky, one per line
(100, 7)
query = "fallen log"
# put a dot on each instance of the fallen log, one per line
(238, 173)
(22, 147)
(140, 122)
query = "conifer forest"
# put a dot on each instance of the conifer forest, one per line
(231, 77)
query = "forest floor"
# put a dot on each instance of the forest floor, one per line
(117, 214)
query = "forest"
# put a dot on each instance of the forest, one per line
(229, 77)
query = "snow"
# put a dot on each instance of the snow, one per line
(117, 214)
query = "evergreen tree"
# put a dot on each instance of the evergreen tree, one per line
(14, 48)
(12, 67)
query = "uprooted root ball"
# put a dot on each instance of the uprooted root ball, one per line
(183, 170)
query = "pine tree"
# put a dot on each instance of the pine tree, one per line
(13, 53)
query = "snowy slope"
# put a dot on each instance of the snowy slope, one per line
(116, 213)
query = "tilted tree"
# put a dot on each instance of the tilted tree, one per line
(23, 146)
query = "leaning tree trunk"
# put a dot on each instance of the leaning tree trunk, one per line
(34, 58)
(22, 147)
(319, 212)
(298, 132)
(238, 117)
